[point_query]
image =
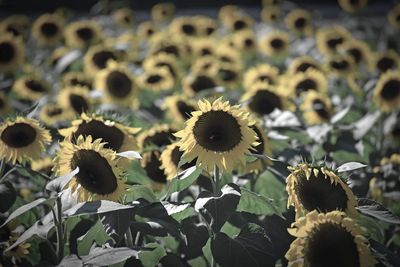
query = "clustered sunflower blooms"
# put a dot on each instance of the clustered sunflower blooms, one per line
(269, 139)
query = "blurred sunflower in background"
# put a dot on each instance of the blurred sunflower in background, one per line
(162, 12)
(352, 6)
(157, 79)
(5, 107)
(196, 83)
(158, 135)
(75, 99)
(316, 108)
(96, 59)
(386, 60)
(16, 25)
(31, 88)
(22, 139)
(98, 178)
(305, 81)
(359, 51)
(386, 94)
(213, 143)
(43, 165)
(260, 73)
(394, 17)
(318, 188)
(300, 22)
(53, 114)
(82, 34)
(270, 14)
(302, 64)
(75, 78)
(179, 108)
(340, 65)
(124, 17)
(151, 163)
(12, 53)
(330, 239)
(275, 45)
(330, 38)
(48, 29)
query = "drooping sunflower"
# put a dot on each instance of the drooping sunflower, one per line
(81, 34)
(75, 99)
(329, 38)
(22, 139)
(304, 81)
(96, 59)
(77, 79)
(275, 45)
(118, 85)
(193, 84)
(157, 79)
(318, 188)
(31, 88)
(340, 65)
(124, 17)
(358, 50)
(330, 239)
(162, 12)
(394, 17)
(146, 29)
(43, 165)
(12, 53)
(302, 64)
(387, 60)
(386, 94)
(299, 21)
(262, 99)
(316, 108)
(218, 135)
(270, 14)
(5, 107)
(179, 108)
(159, 135)
(352, 6)
(52, 114)
(115, 135)
(260, 73)
(48, 29)
(99, 177)
(151, 163)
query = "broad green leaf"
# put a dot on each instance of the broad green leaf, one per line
(95, 234)
(95, 207)
(135, 192)
(269, 186)
(108, 256)
(183, 180)
(152, 258)
(137, 175)
(254, 203)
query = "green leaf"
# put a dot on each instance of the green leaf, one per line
(377, 211)
(95, 234)
(257, 204)
(152, 258)
(135, 192)
(95, 207)
(56, 185)
(375, 229)
(183, 180)
(137, 175)
(108, 256)
(269, 186)
(178, 212)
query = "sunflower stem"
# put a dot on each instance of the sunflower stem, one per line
(216, 183)
(2, 167)
(2, 179)
(128, 237)
(59, 228)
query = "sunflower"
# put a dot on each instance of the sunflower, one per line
(316, 108)
(161, 44)
(31, 88)
(159, 135)
(245, 41)
(306, 81)
(146, 29)
(162, 12)
(22, 139)
(318, 188)
(183, 26)
(299, 21)
(275, 45)
(162, 60)
(262, 99)
(270, 14)
(12, 53)
(204, 65)
(99, 177)
(226, 11)
(239, 22)
(330, 239)
(48, 29)
(358, 50)
(179, 108)
(124, 17)
(340, 65)
(260, 73)
(15, 25)
(81, 34)
(206, 26)
(151, 163)
(118, 85)
(386, 94)
(157, 79)
(329, 38)
(43, 165)
(77, 79)
(213, 143)
(384, 61)
(302, 64)
(394, 17)
(228, 54)
(203, 47)
(193, 84)
(115, 135)
(271, 3)
(75, 99)
(228, 75)
(57, 54)
(53, 114)
(352, 6)
(5, 107)
(96, 59)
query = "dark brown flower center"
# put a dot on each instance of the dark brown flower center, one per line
(188, 29)
(217, 131)
(19, 135)
(390, 90)
(13, 30)
(305, 66)
(227, 75)
(356, 54)
(78, 103)
(202, 82)
(54, 111)
(277, 43)
(354, 2)
(259, 149)
(249, 42)
(80, 82)
(264, 102)
(170, 68)
(339, 64)
(7, 52)
(300, 23)
(85, 33)
(334, 42)
(266, 78)
(305, 85)
(153, 168)
(176, 156)
(35, 86)
(49, 29)
(184, 109)
(100, 58)
(2, 103)
(95, 173)
(210, 30)
(320, 108)
(154, 78)
(331, 245)
(239, 24)
(118, 84)
(113, 136)
(159, 139)
(318, 193)
(169, 49)
(385, 63)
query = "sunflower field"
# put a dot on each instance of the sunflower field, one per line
(263, 136)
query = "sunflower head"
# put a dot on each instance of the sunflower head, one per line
(386, 94)
(299, 21)
(48, 29)
(81, 34)
(75, 99)
(394, 17)
(99, 177)
(151, 163)
(184, 26)
(52, 114)
(31, 87)
(302, 64)
(146, 29)
(162, 11)
(207, 26)
(245, 41)
(330, 38)
(124, 17)
(218, 135)
(239, 21)
(158, 135)
(328, 239)
(193, 84)
(270, 14)
(341, 65)
(310, 80)
(162, 60)
(157, 79)
(77, 79)
(358, 50)
(316, 108)
(275, 45)
(261, 73)
(318, 188)
(384, 61)
(12, 53)
(352, 6)
(170, 158)
(43, 165)
(97, 57)
(22, 139)
(179, 108)
(16, 25)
